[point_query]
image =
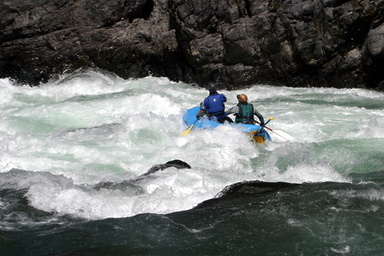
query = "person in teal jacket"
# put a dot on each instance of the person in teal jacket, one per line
(245, 111)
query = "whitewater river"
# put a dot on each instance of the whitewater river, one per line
(71, 151)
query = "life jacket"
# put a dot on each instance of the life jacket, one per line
(245, 114)
(214, 104)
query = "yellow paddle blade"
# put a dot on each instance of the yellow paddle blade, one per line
(188, 130)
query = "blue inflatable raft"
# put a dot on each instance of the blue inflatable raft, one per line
(257, 132)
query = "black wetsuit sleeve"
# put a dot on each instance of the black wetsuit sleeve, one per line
(260, 116)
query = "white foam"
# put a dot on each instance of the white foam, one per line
(88, 128)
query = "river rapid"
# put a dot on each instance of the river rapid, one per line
(63, 141)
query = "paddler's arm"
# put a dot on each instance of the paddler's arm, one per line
(260, 116)
(232, 110)
(200, 114)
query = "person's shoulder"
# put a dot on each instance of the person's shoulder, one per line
(234, 109)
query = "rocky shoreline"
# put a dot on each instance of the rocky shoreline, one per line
(236, 43)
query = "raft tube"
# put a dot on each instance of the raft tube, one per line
(258, 133)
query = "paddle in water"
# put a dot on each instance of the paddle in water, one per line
(282, 134)
(189, 129)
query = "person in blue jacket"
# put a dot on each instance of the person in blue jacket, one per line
(214, 106)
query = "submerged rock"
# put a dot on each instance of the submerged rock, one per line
(332, 43)
(246, 188)
(178, 164)
(130, 186)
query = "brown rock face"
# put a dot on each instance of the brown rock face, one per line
(331, 43)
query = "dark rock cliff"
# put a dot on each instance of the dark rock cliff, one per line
(331, 43)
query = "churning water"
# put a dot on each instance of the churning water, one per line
(60, 143)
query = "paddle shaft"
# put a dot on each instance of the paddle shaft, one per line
(279, 133)
(264, 126)
(189, 129)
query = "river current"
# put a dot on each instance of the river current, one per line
(61, 141)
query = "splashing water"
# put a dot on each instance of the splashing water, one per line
(61, 139)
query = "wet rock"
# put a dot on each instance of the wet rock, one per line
(131, 186)
(247, 189)
(178, 164)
